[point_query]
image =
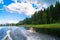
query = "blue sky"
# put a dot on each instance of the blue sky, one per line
(12, 11)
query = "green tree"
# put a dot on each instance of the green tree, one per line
(49, 15)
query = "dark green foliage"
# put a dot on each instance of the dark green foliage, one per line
(47, 16)
(52, 32)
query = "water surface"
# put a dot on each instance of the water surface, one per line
(21, 33)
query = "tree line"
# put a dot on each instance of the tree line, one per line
(46, 16)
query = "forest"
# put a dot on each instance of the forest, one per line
(47, 16)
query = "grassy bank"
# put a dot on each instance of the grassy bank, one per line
(56, 25)
(50, 29)
(55, 32)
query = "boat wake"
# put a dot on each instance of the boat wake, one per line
(18, 34)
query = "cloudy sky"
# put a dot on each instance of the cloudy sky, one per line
(12, 11)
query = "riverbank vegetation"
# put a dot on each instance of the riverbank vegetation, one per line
(45, 21)
(55, 32)
(56, 25)
(51, 15)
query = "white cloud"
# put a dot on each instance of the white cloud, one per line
(1, 1)
(25, 8)
(12, 21)
(45, 5)
(14, 1)
(8, 21)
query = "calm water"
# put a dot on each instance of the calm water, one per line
(21, 33)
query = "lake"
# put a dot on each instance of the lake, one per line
(21, 33)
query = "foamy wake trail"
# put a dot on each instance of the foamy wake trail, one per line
(19, 34)
(37, 36)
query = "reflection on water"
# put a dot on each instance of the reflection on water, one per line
(20, 33)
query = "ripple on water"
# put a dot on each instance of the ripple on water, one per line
(20, 33)
(38, 36)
